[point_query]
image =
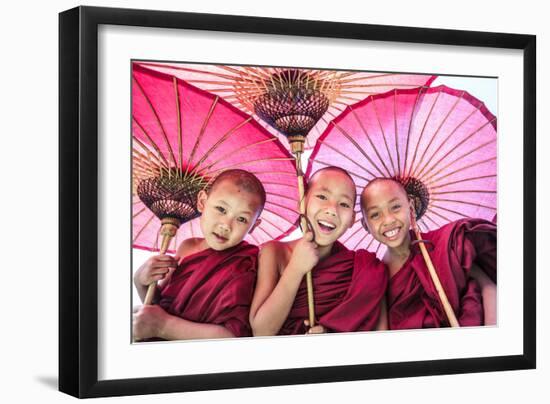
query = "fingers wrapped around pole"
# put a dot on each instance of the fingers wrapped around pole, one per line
(167, 231)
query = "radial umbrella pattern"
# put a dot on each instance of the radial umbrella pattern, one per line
(183, 137)
(289, 100)
(439, 142)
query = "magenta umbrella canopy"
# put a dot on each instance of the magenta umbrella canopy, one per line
(260, 91)
(185, 135)
(438, 141)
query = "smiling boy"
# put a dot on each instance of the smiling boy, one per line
(348, 286)
(464, 255)
(207, 287)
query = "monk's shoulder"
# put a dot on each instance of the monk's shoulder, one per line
(189, 246)
(366, 255)
(368, 260)
(275, 254)
(272, 249)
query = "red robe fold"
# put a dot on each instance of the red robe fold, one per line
(413, 301)
(348, 287)
(214, 287)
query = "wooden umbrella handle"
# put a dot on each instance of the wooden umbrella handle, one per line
(150, 293)
(437, 283)
(304, 226)
(168, 231)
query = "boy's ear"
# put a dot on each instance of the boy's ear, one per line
(364, 223)
(201, 200)
(412, 211)
(352, 220)
(258, 221)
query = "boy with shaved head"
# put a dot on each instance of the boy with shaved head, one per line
(348, 286)
(206, 289)
(462, 252)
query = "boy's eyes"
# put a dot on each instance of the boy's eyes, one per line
(324, 198)
(222, 210)
(394, 208)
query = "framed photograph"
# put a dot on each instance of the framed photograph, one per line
(156, 106)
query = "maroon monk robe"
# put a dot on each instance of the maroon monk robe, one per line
(413, 301)
(348, 287)
(214, 287)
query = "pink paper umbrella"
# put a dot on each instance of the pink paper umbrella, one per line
(289, 101)
(439, 142)
(184, 137)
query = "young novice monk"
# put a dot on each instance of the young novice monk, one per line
(348, 286)
(459, 251)
(207, 288)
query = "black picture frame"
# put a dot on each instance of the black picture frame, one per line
(78, 196)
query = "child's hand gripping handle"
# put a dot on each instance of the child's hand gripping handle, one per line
(167, 231)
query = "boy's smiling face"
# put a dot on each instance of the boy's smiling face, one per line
(229, 213)
(387, 212)
(330, 205)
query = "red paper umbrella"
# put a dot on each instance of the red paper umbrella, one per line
(439, 142)
(183, 137)
(290, 101)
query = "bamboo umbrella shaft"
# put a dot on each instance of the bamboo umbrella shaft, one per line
(435, 278)
(304, 226)
(168, 231)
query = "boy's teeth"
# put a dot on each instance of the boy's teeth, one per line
(326, 224)
(391, 233)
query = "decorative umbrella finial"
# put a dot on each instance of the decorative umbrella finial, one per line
(172, 196)
(293, 103)
(418, 192)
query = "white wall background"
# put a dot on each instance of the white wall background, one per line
(29, 124)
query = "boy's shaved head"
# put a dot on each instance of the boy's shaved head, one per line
(243, 179)
(333, 169)
(379, 179)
